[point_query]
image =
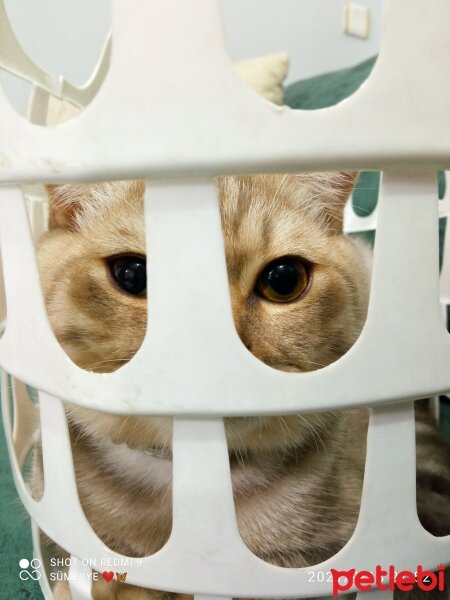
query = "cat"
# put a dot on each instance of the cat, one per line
(299, 292)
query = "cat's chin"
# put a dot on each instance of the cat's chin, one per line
(248, 438)
(272, 435)
(238, 458)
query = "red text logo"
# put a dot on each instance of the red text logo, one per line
(387, 579)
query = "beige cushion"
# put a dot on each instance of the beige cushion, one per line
(266, 74)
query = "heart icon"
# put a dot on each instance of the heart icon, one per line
(108, 575)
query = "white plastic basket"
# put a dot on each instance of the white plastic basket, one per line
(398, 121)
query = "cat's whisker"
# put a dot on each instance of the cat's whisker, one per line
(315, 363)
(283, 427)
(124, 423)
(362, 209)
(272, 203)
(261, 427)
(289, 430)
(95, 365)
(81, 433)
(313, 431)
(237, 452)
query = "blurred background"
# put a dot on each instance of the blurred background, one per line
(66, 36)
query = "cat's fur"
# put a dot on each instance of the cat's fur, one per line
(299, 475)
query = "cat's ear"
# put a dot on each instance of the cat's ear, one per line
(332, 190)
(65, 202)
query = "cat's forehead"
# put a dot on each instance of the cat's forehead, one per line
(112, 217)
(263, 216)
(266, 216)
(261, 200)
(270, 200)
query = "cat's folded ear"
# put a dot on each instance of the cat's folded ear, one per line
(65, 203)
(331, 191)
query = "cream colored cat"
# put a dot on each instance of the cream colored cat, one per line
(299, 290)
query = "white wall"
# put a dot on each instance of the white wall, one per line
(310, 31)
(62, 36)
(66, 36)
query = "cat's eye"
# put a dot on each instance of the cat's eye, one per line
(283, 280)
(130, 274)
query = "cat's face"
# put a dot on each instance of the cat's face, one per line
(298, 287)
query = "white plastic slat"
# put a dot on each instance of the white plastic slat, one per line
(385, 124)
(205, 553)
(200, 338)
(26, 422)
(445, 270)
(80, 580)
(354, 223)
(38, 553)
(200, 597)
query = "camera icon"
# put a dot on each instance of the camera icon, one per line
(30, 569)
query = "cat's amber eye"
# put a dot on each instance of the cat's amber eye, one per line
(283, 280)
(130, 274)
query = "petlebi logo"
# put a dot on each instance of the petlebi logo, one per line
(388, 579)
(30, 569)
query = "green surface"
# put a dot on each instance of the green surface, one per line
(328, 89)
(15, 535)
